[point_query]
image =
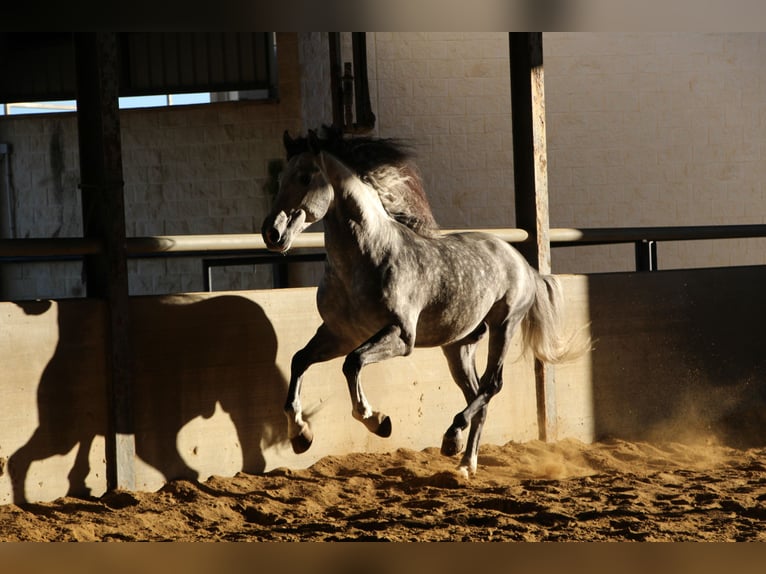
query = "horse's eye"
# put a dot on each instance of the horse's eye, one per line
(304, 178)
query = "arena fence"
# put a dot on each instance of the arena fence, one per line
(233, 249)
(677, 356)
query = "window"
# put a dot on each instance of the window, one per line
(17, 108)
(37, 70)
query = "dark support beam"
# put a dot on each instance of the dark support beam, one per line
(103, 209)
(530, 169)
(336, 72)
(365, 118)
(530, 159)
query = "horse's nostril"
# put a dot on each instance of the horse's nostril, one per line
(272, 236)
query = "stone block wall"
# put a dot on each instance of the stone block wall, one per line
(197, 169)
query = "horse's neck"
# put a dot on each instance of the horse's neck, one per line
(357, 215)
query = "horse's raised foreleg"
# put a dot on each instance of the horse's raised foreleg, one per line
(323, 346)
(391, 341)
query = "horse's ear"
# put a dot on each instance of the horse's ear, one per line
(313, 141)
(287, 140)
(292, 146)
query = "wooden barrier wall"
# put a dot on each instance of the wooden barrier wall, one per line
(677, 354)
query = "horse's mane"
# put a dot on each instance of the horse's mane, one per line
(388, 166)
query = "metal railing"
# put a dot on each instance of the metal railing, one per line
(248, 249)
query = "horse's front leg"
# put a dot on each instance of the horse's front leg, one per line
(323, 346)
(391, 341)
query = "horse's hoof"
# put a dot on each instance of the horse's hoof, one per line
(376, 423)
(466, 470)
(302, 442)
(384, 429)
(452, 443)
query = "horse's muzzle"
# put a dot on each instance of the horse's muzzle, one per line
(278, 230)
(271, 237)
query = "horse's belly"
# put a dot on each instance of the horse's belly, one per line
(352, 318)
(440, 330)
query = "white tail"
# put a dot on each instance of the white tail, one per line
(542, 328)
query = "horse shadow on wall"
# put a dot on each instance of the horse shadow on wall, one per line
(190, 355)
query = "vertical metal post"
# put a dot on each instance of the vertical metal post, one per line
(103, 209)
(530, 168)
(207, 276)
(646, 255)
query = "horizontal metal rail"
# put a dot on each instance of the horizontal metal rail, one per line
(606, 235)
(254, 242)
(188, 245)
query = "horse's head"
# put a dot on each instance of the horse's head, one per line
(304, 196)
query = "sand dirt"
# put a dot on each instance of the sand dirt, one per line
(566, 491)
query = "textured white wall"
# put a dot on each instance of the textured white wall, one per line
(657, 129)
(643, 130)
(450, 94)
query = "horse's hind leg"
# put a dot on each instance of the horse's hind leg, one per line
(490, 384)
(461, 361)
(323, 346)
(391, 341)
(461, 358)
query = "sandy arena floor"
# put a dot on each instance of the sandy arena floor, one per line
(566, 491)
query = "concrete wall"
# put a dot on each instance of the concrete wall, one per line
(677, 357)
(211, 376)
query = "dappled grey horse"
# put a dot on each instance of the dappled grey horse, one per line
(393, 282)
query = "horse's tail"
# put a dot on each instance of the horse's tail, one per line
(543, 326)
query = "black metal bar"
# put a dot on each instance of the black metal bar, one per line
(607, 235)
(646, 255)
(207, 278)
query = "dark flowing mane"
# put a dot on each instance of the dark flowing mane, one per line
(385, 164)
